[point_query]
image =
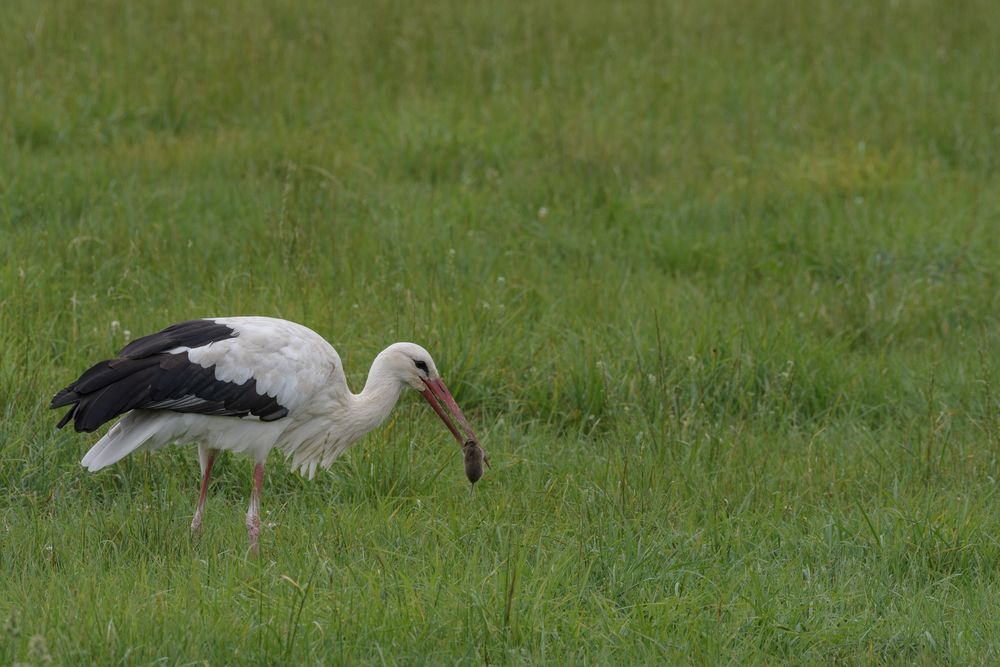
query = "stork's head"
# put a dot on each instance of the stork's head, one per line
(413, 366)
(410, 363)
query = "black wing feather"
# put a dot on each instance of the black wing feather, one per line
(192, 333)
(146, 375)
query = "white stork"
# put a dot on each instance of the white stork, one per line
(249, 385)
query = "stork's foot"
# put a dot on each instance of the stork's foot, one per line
(253, 512)
(207, 459)
(253, 532)
(196, 529)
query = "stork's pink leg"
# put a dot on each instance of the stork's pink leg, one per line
(253, 512)
(207, 458)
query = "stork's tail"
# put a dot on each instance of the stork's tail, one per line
(129, 434)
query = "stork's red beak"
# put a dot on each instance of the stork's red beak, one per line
(444, 405)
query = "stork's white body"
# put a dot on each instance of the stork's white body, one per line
(291, 363)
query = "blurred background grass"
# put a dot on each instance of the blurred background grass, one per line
(718, 282)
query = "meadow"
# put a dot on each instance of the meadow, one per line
(717, 283)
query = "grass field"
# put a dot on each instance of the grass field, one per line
(717, 282)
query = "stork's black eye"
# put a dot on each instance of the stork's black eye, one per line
(422, 365)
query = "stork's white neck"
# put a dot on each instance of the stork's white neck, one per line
(373, 405)
(346, 417)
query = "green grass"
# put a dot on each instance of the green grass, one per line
(717, 282)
